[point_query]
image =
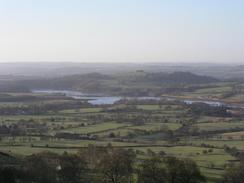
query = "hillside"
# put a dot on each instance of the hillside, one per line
(134, 83)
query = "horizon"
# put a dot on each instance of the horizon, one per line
(125, 62)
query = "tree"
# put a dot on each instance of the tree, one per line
(72, 169)
(7, 175)
(183, 171)
(42, 167)
(169, 170)
(152, 171)
(234, 174)
(116, 165)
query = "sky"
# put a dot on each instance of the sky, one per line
(122, 31)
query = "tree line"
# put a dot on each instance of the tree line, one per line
(107, 165)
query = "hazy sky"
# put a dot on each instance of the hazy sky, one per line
(122, 30)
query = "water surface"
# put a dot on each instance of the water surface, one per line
(100, 99)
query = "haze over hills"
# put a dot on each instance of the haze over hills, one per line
(65, 68)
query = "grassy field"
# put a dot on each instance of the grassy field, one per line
(239, 144)
(213, 126)
(95, 128)
(82, 110)
(234, 135)
(156, 126)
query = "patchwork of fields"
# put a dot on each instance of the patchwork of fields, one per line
(148, 127)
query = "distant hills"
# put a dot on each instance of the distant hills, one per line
(49, 69)
(177, 78)
(132, 83)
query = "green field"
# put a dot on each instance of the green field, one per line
(95, 128)
(213, 126)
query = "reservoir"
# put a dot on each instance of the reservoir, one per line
(99, 99)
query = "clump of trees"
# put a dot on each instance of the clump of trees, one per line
(116, 166)
(40, 108)
(169, 170)
(108, 165)
(205, 109)
(234, 174)
(101, 164)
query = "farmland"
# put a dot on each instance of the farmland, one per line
(145, 126)
(164, 125)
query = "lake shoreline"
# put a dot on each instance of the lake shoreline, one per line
(102, 99)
